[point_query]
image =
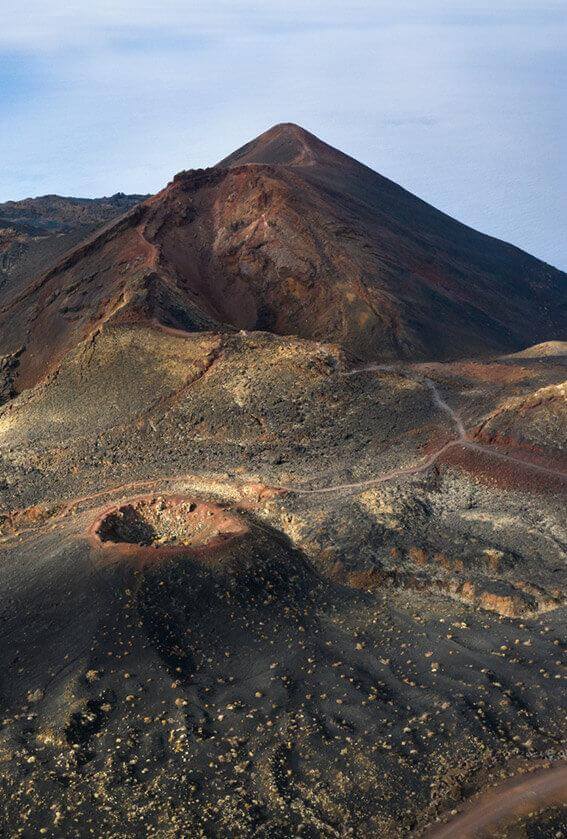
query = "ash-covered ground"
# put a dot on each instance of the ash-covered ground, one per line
(250, 591)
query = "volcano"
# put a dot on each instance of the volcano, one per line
(291, 236)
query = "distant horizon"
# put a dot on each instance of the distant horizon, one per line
(459, 107)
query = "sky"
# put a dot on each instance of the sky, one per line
(463, 102)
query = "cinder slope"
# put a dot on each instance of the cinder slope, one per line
(455, 291)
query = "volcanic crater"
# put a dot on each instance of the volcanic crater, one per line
(168, 522)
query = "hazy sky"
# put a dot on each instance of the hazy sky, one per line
(460, 101)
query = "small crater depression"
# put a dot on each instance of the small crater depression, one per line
(168, 522)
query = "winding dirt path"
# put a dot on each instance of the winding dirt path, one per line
(518, 796)
(462, 439)
(441, 403)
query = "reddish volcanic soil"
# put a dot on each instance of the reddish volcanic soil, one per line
(508, 468)
(151, 529)
(522, 795)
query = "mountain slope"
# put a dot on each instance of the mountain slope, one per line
(35, 232)
(291, 236)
